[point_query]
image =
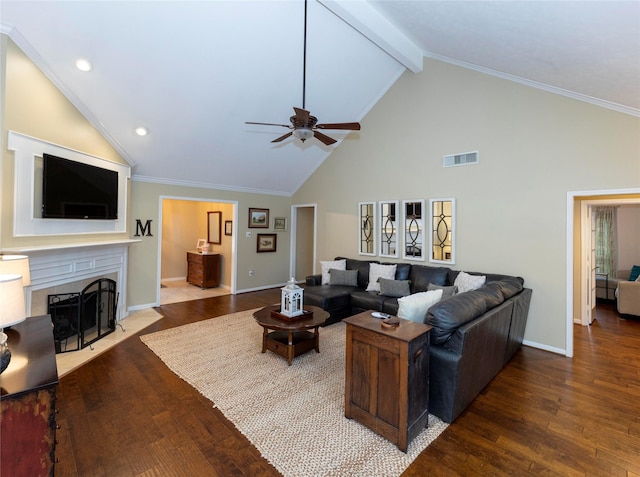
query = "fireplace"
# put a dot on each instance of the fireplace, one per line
(80, 319)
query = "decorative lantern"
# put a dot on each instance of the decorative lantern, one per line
(291, 301)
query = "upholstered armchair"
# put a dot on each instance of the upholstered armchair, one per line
(628, 298)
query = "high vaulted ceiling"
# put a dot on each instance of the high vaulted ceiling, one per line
(194, 72)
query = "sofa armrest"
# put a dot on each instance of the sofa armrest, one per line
(628, 297)
(313, 280)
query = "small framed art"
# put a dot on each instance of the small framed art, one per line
(258, 218)
(266, 243)
(228, 227)
(280, 223)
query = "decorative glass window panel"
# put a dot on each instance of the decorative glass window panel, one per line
(367, 234)
(413, 224)
(388, 231)
(441, 238)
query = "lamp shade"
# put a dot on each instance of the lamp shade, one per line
(12, 309)
(16, 265)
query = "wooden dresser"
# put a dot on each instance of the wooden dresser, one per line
(203, 269)
(28, 399)
(387, 377)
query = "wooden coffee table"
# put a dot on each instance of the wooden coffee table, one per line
(290, 338)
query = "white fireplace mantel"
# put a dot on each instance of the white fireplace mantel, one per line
(53, 265)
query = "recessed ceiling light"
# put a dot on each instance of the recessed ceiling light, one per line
(142, 131)
(84, 65)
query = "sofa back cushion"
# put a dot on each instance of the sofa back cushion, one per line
(421, 275)
(402, 271)
(492, 293)
(448, 315)
(491, 277)
(510, 286)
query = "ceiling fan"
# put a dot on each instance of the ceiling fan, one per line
(303, 125)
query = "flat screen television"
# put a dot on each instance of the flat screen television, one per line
(73, 190)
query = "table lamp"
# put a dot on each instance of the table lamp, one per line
(16, 265)
(12, 311)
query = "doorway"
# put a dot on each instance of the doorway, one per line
(183, 222)
(303, 241)
(579, 272)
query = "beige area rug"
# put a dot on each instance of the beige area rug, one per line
(293, 414)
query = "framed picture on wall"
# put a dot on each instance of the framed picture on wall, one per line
(214, 227)
(258, 218)
(280, 223)
(266, 243)
(228, 227)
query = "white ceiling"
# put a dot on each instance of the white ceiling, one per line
(194, 72)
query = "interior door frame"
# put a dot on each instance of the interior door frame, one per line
(589, 197)
(234, 238)
(294, 238)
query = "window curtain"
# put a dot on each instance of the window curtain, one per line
(606, 240)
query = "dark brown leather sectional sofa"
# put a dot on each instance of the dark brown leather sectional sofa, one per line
(474, 333)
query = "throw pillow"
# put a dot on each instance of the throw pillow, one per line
(376, 271)
(328, 265)
(635, 273)
(343, 277)
(466, 282)
(414, 307)
(446, 291)
(394, 288)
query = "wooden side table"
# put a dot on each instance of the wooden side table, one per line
(387, 377)
(27, 400)
(203, 269)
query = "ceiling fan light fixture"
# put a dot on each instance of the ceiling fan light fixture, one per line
(303, 134)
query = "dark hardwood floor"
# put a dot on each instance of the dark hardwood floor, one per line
(125, 414)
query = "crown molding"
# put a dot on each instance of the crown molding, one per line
(535, 84)
(205, 185)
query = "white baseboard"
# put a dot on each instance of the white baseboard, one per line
(544, 347)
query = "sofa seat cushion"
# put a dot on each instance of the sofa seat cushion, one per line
(328, 297)
(448, 315)
(390, 306)
(365, 300)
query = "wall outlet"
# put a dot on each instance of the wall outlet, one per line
(250, 273)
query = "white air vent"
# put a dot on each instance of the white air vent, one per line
(463, 159)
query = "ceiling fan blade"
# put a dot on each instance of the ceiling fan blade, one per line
(302, 114)
(270, 124)
(282, 138)
(323, 138)
(349, 126)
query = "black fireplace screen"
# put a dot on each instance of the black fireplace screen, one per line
(80, 319)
